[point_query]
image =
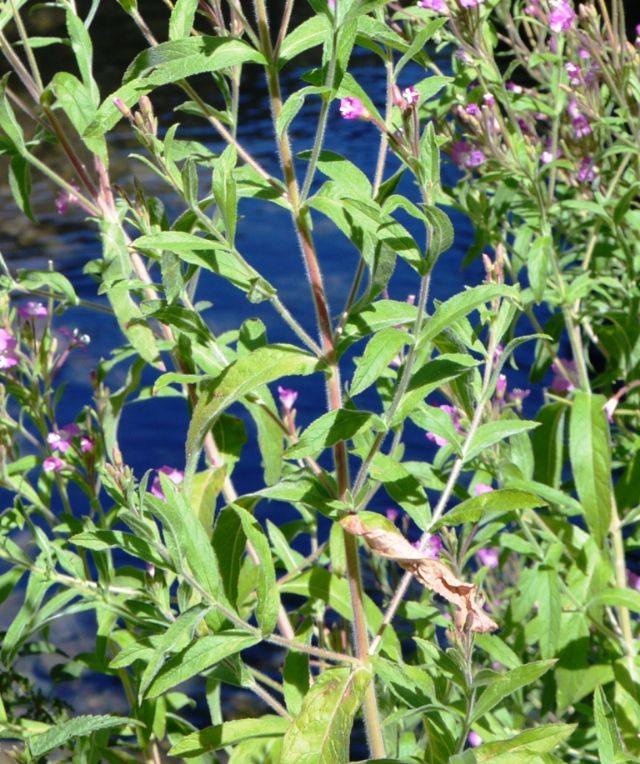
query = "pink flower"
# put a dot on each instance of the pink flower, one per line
(392, 514)
(52, 464)
(474, 739)
(514, 88)
(8, 344)
(562, 16)
(33, 309)
(352, 108)
(472, 109)
(439, 6)
(466, 155)
(431, 547)
(410, 95)
(481, 488)
(564, 383)
(517, 395)
(489, 557)
(470, 3)
(65, 198)
(574, 73)
(633, 580)
(287, 398)
(175, 476)
(501, 386)
(489, 99)
(587, 171)
(86, 444)
(60, 440)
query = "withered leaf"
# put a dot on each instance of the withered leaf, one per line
(383, 538)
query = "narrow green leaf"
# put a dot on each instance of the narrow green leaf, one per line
(491, 433)
(295, 676)
(538, 260)
(609, 743)
(381, 349)
(320, 733)
(170, 62)
(229, 733)
(182, 18)
(629, 598)
(591, 461)
(459, 306)
(64, 732)
(268, 595)
(507, 684)
(330, 428)
(501, 500)
(264, 365)
(549, 610)
(307, 35)
(543, 739)
(201, 655)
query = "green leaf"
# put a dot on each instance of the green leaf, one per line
(295, 680)
(379, 315)
(171, 62)
(609, 742)
(591, 461)
(490, 433)
(541, 740)
(55, 282)
(403, 487)
(20, 184)
(8, 122)
(331, 428)
(350, 181)
(628, 598)
(206, 487)
(189, 536)
(538, 265)
(548, 444)
(268, 596)
(182, 18)
(225, 192)
(503, 686)
(229, 733)
(381, 349)
(501, 500)
(442, 233)
(308, 34)
(201, 655)
(64, 732)
(547, 584)
(459, 306)
(264, 365)
(320, 733)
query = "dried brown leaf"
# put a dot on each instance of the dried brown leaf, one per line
(384, 539)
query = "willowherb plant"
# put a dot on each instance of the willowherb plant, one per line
(505, 632)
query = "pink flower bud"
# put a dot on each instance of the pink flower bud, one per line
(287, 398)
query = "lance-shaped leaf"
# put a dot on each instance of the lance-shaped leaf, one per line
(591, 461)
(264, 365)
(502, 500)
(320, 733)
(385, 539)
(80, 726)
(331, 428)
(229, 733)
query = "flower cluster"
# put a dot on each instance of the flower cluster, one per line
(63, 439)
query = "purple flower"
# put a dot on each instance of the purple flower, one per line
(439, 6)
(517, 395)
(501, 386)
(562, 16)
(60, 440)
(564, 383)
(175, 476)
(410, 95)
(513, 87)
(470, 3)
(352, 108)
(8, 344)
(431, 547)
(392, 514)
(489, 556)
(465, 155)
(86, 444)
(610, 406)
(633, 580)
(489, 99)
(574, 72)
(474, 739)
(481, 488)
(287, 398)
(586, 171)
(472, 109)
(65, 198)
(33, 309)
(52, 464)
